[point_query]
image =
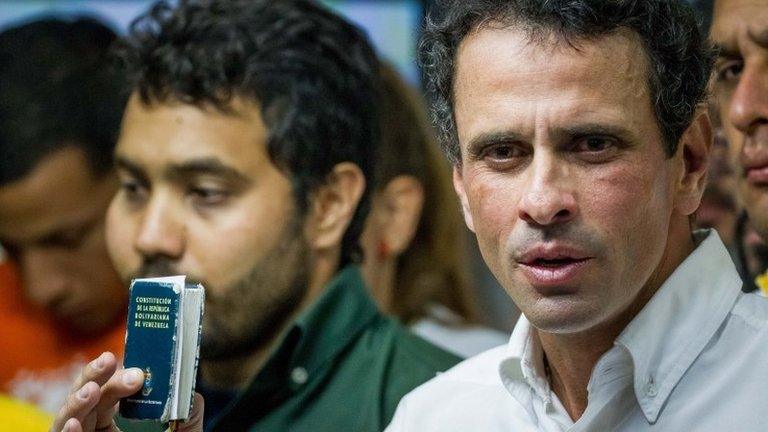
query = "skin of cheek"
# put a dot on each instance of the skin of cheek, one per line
(121, 229)
(224, 248)
(619, 206)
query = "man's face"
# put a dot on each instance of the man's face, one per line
(740, 93)
(199, 196)
(564, 178)
(52, 223)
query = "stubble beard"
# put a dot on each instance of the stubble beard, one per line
(251, 311)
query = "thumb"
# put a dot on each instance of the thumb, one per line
(195, 421)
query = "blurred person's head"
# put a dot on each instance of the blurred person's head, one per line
(579, 154)
(243, 158)
(719, 207)
(740, 93)
(751, 252)
(413, 238)
(60, 109)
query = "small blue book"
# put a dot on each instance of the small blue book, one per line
(162, 338)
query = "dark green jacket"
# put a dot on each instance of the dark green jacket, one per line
(342, 366)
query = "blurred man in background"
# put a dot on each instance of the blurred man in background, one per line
(416, 260)
(740, 94)
(60, 109)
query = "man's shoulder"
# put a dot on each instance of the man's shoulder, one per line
(470, 396)
(752, 308)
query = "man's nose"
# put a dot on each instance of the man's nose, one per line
(548, 197)
(749, 102)
(45, 281)
(161, 230)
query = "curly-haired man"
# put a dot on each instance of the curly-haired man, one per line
(243, 159)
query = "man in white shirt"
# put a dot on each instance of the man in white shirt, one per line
(580, 144)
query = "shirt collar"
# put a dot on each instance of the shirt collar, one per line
(669, 333)
(663, 339)
(307, 348)
(343, 311)
(319, 334)
(524, 363)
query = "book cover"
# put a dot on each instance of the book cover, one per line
(151, 338)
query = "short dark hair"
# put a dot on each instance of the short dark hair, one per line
(57, 89)
(680, 59)
(704, 11)
(312, 73)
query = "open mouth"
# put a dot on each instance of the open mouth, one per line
(550, 269)
(555, 262)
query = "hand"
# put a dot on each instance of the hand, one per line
(92, 403)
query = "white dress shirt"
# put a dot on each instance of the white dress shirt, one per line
(694, 359)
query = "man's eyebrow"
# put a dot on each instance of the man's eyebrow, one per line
(592, 129)
(133, 168)
(726, 51)
(760, 37)
(478, 143)
(206, 166)
(70, 232)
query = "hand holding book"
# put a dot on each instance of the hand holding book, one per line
(92, 403)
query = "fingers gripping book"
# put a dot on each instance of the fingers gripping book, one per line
(163, 339)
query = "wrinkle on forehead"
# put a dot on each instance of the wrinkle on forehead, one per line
(739, 17)
(517, 70)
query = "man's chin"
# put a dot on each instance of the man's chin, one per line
(562, 320)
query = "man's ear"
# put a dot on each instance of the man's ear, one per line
(398, 211)
(333, 206)
(696, 146)
(458, 185)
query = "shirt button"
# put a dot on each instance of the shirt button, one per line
(650, 389)
(299, 375)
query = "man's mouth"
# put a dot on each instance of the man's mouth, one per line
(754, 160)
(554, 262)
(550, 268)
(757, 175)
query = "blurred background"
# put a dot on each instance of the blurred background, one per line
(392, 25)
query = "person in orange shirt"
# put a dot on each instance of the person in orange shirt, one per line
(60, 109)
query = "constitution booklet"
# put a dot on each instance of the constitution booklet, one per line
(163, 338)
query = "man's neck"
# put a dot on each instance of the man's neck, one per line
(380, 280)
(571, 357)
(236, 373)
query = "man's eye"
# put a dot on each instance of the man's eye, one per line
(729, 71)
(503, 152)
(595, 144)
(132, 189)
(209, 196)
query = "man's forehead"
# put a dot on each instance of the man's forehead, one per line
(507, 52)
(503, 72)
(734, 17)
(161, 136)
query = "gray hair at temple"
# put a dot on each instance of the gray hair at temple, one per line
(680, 59)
